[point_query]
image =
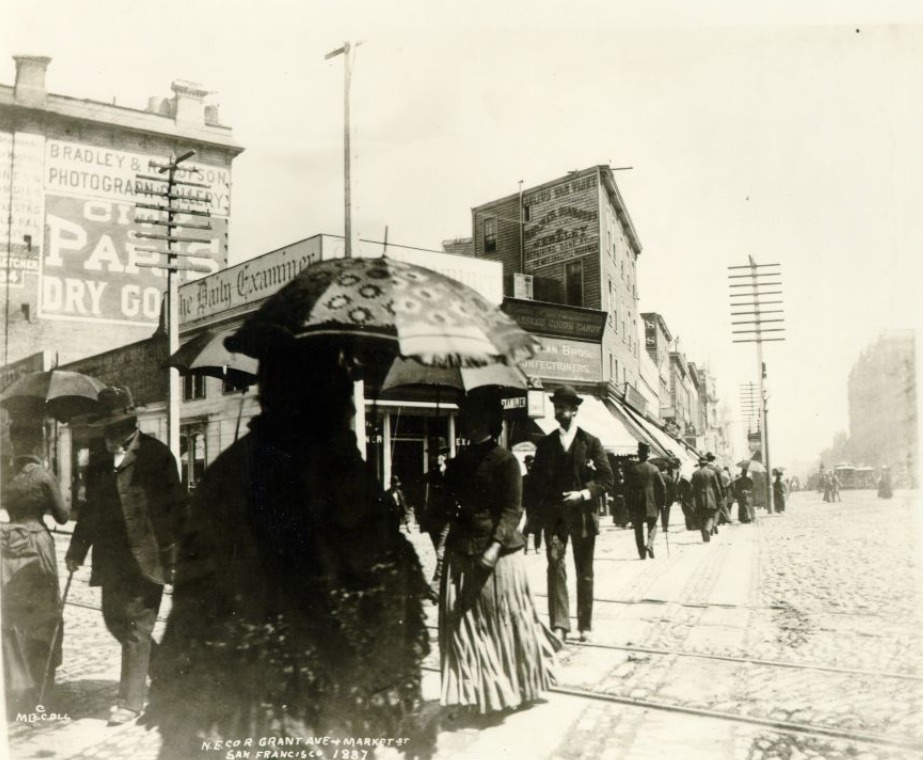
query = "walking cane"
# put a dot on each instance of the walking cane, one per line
(666, 537)
(54, 639)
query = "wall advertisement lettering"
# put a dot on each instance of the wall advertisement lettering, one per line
(92, 270)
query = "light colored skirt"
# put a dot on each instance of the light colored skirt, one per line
(495, 652)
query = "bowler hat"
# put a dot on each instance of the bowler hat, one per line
(116, 404)
(438, 445)
(566, 395)
(703, 461)
(710, 457)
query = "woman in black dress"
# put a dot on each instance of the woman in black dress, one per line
(31, 594)
(495, 652)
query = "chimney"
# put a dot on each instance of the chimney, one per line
(30, 78)
(190, 102)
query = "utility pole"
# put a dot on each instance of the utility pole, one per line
(181, 197)
(749, 292)
(345, 51)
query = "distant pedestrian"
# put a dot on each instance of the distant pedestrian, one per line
(743, 489)
(533, 526)
(834, 484)
(397, 501)
(435, 512)
(671, 476)
(495, 652)
(572, 473)
(778, 491)
(31, 595)
(885, 491)
(706, 496)
(134, 509)
(646, 498)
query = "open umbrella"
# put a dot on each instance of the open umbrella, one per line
(54, 393)
(205, 354)
(409, 372)
(366, 304)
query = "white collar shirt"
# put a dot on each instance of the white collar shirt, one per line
(567, 436)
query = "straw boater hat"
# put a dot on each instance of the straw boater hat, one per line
(116, 404)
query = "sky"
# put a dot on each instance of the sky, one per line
(789, 134)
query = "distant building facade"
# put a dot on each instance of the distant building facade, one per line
(571, 241)
(883, 406)
(74, 281)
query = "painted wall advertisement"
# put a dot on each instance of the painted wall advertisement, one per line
(563, 222)
(560, 359)
(21, 159)
(94, 268)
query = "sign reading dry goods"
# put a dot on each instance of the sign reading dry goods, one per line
(92, 269)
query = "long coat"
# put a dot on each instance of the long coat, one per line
(591, 471)
(646, 491)
(297, 609)
(146, 489)
(706, 490)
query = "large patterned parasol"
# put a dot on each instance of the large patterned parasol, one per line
(370, 302)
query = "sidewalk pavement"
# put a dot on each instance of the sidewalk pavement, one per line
(672, 601)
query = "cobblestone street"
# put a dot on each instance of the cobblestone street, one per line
(797, 636)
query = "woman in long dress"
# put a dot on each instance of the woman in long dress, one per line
(297, 608)
(30, 590)
(495, 652)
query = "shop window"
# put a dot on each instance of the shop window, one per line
(193, 387)
(573, 283)
(490, 235)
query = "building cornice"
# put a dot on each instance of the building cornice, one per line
(104, 114)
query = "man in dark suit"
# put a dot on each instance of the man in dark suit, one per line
(706, 497)
(646, 497)
(132, 516)
(571, 474)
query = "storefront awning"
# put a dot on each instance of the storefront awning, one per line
(597, 420)
(666, 442)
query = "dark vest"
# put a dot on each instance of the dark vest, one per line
(564, 478)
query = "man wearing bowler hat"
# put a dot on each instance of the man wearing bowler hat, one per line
(131, 519)
(646, 498)
(570, 475)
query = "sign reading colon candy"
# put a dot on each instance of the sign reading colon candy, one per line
(92, 269)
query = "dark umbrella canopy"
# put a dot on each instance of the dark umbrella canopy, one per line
(367, 303)
(55, 393)
(205, 354)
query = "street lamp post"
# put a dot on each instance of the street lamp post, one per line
(345, 51)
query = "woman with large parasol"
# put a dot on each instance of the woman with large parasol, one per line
(297, 609)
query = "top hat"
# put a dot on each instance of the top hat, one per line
(117, 405)
(566, 395)
(438, 445)
(644, 449)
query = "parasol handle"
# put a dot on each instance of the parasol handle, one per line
(54, 638)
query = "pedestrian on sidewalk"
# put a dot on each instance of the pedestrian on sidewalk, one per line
(671, 477)
(743, 488)
(572, 474)
(297, 610)
(495, 652)
(134, 508)
(646, 499)
(533, 526)
(885, 491)
(434, 514)
(778, 491)
(706, 496)
(397, 501)
(31, 594)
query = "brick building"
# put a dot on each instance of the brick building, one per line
(73, 281)
(571, 241)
